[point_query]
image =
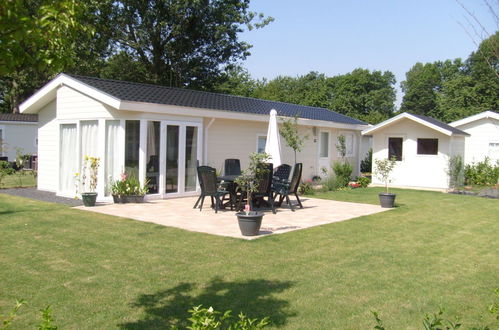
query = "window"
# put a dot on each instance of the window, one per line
(260, 145)
(395, 148)
(324, 145)
(427, 146)
(349, 143)
(132, 144)
(152, 156)
(1, 143)
(494, 151)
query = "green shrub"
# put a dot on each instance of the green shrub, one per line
(6, 167)
(208, 318)
(363, 181)
(482, 173)
(306, 188)
(366, 165)
(343, 171)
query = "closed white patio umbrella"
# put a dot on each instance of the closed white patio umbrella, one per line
(273, 144)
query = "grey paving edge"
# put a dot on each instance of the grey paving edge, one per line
(43, 196)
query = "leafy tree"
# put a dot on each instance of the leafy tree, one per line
(37, 39)
(184, 42)
(237, 81)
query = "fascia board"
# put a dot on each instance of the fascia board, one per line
(222, 114)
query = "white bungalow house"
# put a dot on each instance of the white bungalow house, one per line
(483, 141)
(18, 133)
(163, 133)
(422, 147)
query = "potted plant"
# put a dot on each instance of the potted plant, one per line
(250, 221)
(90, 171)
(382, 171)
(128, 189)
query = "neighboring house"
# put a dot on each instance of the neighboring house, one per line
(18, 133)
(422, 147)
(484, 136)
(162, 133)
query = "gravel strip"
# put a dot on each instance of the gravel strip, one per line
(43, 196)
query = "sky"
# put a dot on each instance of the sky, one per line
(334, 37)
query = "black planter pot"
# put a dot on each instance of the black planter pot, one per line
(89, 198)
(387, 200)
(116, 199)
(119, 199)
(249, 224)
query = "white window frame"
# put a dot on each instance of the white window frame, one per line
(328, 156)
(258, 136)
(426, 155)
(345, 133)
(404, 146)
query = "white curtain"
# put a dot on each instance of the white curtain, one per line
(68, 162)
(89, 131)
(113, 165)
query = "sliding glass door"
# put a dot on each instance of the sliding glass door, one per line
(182, 155)
(68, 159)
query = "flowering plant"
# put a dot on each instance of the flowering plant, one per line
(88, 175)
(128, 185)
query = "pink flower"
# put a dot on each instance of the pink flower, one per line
(123, 176)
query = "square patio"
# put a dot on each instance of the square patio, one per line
(178, 213)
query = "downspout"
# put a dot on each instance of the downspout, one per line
(205, 153)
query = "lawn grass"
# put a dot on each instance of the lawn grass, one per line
(100, 272)
(18, 180)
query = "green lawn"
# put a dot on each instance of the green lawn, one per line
(18, 180)
(105, 272)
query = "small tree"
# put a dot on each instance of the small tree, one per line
(456, 172)
(341, 146)
(289, 132)
(384, 168)
(249, 178)
(90, 168)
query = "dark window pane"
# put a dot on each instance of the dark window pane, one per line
(152, 158)
(427, 146)
(132, 144)
(172, 140)
(395, 148)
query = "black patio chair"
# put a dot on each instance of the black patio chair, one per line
(209, 187)
(282, 172)
(232, 167)
(264, 189)
(284, 189)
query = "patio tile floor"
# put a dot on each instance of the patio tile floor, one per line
(179, 213)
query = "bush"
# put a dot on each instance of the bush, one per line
(306, 188)
(208, 318)
(481, 173)
(366, 165)
(343, 171)
(6, 167)
(363, 181)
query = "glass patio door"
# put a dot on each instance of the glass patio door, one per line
(181, 155)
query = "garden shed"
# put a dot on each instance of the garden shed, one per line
(162, 133)
(422, 147)
(483, 139)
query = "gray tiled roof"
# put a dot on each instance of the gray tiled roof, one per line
(18, 117)
(136, 92)
(440, 124)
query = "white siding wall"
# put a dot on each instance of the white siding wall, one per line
(48, 146)
(424, 171)
(483, 132)
(237, 139)
(75, 105)
(18, 135)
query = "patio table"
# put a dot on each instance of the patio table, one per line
(231, 187)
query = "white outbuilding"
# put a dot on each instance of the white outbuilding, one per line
(483, 139)
(18, 134)
(422, 147)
